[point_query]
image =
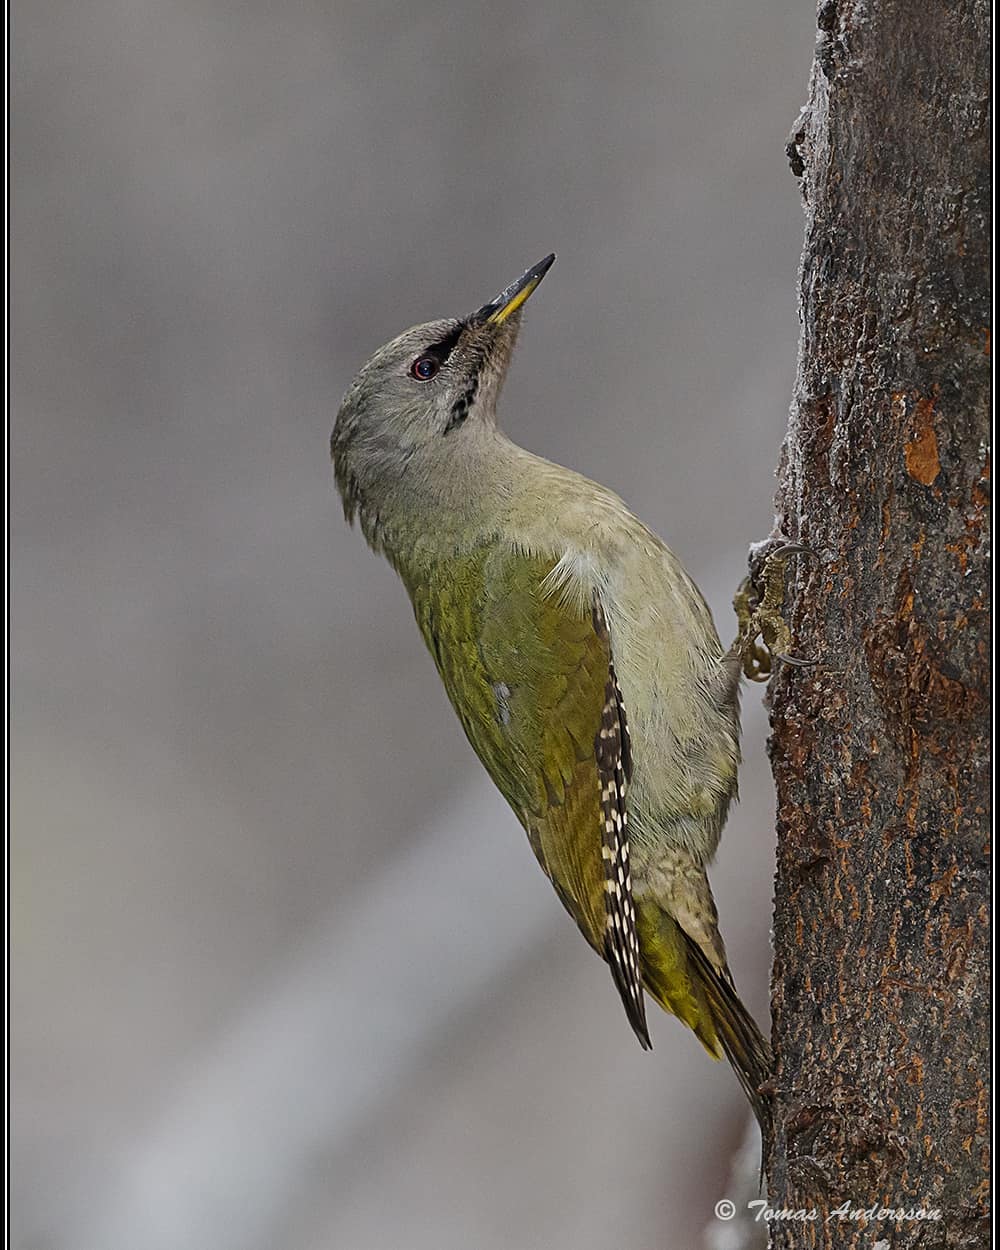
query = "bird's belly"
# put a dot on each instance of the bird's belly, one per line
(681, 784)
(683, 720)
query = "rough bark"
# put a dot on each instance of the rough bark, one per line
(881, 752)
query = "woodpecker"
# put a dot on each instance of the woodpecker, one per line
(580, 657)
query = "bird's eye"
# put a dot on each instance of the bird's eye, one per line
(424, 368)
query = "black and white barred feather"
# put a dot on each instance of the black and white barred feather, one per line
(612, 748)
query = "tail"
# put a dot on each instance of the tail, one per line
(682, 979)
(743, 1043)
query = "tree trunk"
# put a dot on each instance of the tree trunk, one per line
(881, 751)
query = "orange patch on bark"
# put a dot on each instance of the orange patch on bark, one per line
(921, 452)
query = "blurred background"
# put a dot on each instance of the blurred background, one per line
(285, 972)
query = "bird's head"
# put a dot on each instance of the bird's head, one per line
(425, 394)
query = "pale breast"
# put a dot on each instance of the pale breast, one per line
(685, 733)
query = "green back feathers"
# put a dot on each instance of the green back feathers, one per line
(527, 679)
(531, 677)
(530, 673)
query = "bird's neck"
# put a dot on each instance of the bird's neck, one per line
(450, 499)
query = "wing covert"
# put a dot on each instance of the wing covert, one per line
(533, 682)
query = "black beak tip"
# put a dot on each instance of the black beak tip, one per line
(530, 279)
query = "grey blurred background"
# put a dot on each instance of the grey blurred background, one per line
(285, 973)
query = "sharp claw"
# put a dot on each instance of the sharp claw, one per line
(795, 660)
(758, 608)
(795, 549)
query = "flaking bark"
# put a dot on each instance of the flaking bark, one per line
(881, 752)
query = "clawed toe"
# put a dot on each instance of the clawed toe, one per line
(797, 661)
(760, 617)
(793, 549)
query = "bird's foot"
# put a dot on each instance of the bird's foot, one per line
(764, 634)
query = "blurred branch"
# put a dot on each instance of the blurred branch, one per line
(323, 1048)
(880, 753)
(745, 1230)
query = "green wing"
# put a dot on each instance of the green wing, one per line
(533, 684)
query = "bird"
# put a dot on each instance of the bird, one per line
(580, 657)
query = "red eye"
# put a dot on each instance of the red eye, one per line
(425, 367)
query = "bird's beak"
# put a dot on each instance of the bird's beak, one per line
(512, 297)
